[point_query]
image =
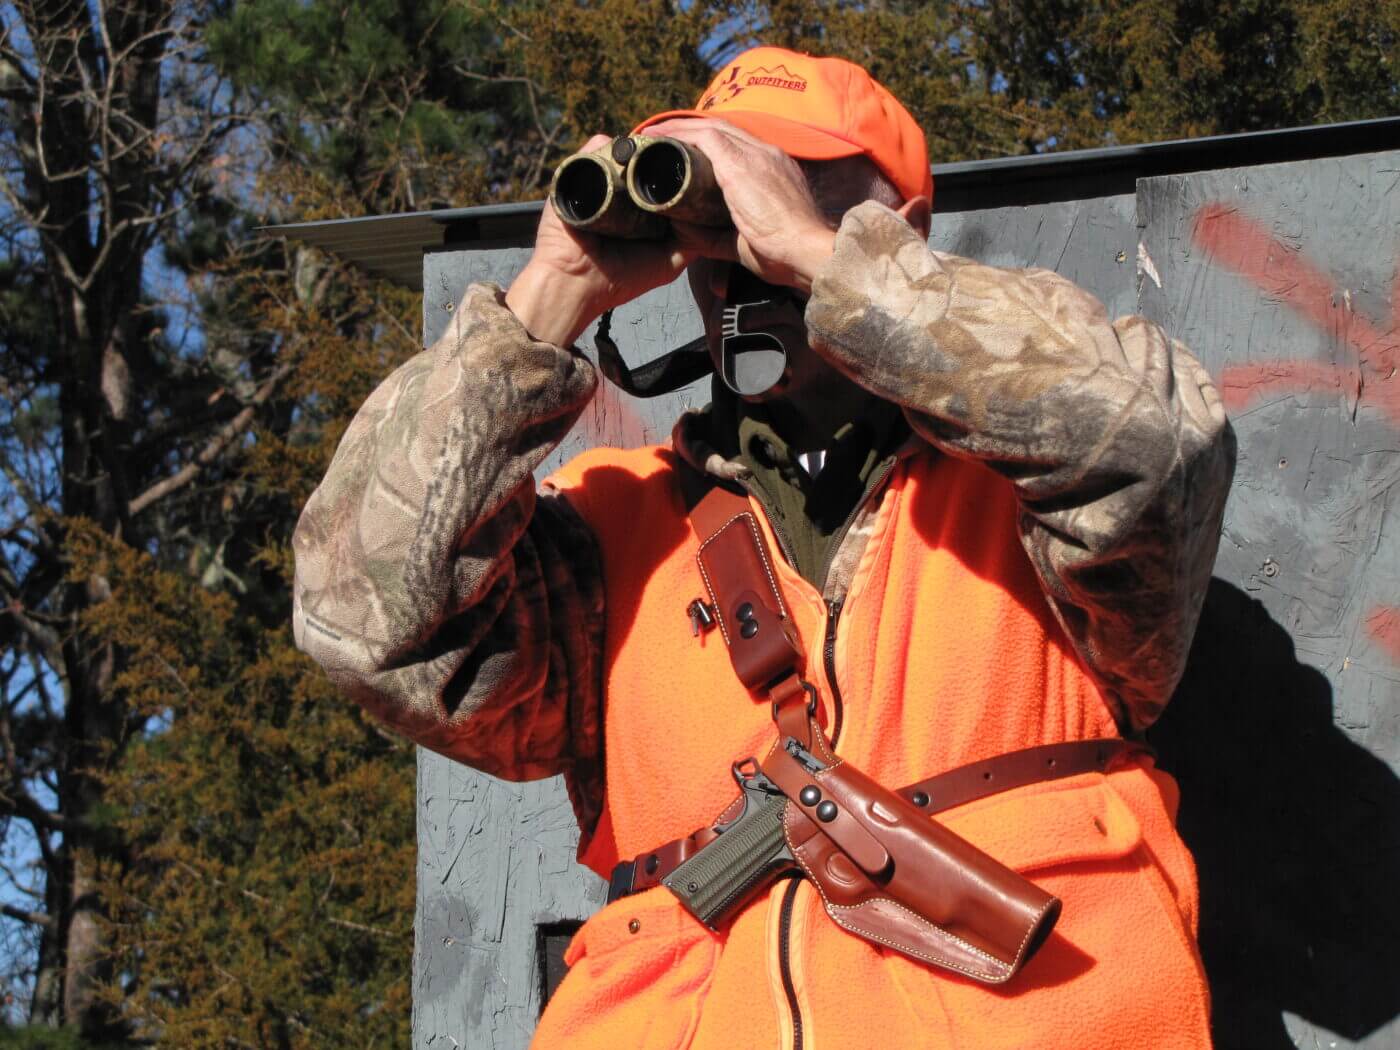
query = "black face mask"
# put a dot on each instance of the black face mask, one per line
(760, 324)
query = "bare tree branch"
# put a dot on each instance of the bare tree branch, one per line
(215, 447)
(34, 918)
(24, 806)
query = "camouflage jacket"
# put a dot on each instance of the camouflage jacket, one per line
(462, 607)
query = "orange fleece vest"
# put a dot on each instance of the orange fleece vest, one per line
(945, 652)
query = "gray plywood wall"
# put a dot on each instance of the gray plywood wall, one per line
(1285, 734)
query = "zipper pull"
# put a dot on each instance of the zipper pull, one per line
(833, 613)
(702, 617)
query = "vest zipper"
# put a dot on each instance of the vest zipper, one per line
(784, 544)
(785, 960)
(876, 483)
(829, 661)
(833, 613)
(834, 606)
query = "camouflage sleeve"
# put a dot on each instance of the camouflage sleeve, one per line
(1113, 435)
(433, 584)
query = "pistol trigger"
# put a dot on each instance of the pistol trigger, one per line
(744, 770)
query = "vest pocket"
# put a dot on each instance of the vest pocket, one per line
(638, 973)
(1060, 822)
(1120, 968)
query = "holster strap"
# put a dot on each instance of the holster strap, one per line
(947, 790)
(1016, 769)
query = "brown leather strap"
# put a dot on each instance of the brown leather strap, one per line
(716, 505)
(794, 703)
(947, 790)
(743, 588)
(1016, 769)
(739, 577)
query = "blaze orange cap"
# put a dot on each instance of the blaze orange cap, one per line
(816, 109)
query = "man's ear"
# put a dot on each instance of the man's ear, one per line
(918, 213)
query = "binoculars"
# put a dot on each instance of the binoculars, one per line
(633, 186)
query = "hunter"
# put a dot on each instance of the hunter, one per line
(994, 511)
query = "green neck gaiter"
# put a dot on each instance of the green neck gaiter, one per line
(809, 514)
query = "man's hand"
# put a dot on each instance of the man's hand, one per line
(574, 276)
(780, 233)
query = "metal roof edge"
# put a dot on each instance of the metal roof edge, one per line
(1302, 143)
(1039, 178)
(438, 216)
(1044, 178)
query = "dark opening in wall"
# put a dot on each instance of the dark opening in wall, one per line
(551, 938)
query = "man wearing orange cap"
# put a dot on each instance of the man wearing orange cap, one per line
(997, 512)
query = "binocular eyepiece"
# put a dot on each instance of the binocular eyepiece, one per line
(634, 185)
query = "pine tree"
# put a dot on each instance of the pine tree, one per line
(1138, 70)
(107, 139)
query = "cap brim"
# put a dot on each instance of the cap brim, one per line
(791, 136)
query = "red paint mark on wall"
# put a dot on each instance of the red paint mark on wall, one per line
(1384, 624)
(1240, 244)
(1280, 270)
(611, 419)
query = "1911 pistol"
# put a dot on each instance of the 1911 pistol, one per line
(749, 853)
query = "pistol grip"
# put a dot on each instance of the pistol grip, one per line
(723, 876)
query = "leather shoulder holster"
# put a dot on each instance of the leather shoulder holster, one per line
(886, 871)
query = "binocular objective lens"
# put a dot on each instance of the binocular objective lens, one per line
(660, 173)
(582, 190)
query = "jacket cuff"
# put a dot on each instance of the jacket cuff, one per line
(869, 234)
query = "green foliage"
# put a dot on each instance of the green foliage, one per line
(365, 93)
(923, 53)
(598, 65)
(41, 1037)
(394, 105)
(266, 893)
(995, 77)
(263, 895)
(1136, 70)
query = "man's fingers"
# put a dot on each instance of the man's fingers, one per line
(721, 142)
(673, 253)
(690, 127)
(703, 134)
(684, 127)
(681, 257)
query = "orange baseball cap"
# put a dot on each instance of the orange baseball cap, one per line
(816, 109)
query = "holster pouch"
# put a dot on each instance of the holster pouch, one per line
(894, 876)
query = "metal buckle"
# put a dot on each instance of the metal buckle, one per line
(620, 882)
(743, 770)
(811, 698)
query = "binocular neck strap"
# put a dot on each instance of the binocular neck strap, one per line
(663, 375)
